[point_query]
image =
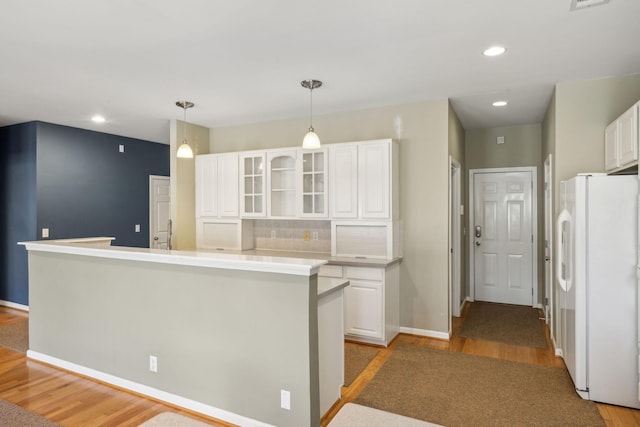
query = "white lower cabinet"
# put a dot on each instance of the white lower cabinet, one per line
(371, 301)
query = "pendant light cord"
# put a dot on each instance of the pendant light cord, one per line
(311, 108)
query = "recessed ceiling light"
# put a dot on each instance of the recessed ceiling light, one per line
(494, 51)
(499, 103)
(98, 119)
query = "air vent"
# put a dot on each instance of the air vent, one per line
(583, 4)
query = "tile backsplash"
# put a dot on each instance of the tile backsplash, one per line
(289, 235)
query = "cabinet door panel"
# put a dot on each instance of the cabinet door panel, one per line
(252, 173)
(228, 187)
(611, 147)
(373, 180)
(363, 309)
(627, 138)
(344, 181)
(206, 185)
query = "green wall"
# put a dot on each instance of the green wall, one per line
(522, 147)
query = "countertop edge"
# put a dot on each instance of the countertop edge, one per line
(267, 264)
(327, 285)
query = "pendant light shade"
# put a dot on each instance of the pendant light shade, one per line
(311, 140)
(185, 151)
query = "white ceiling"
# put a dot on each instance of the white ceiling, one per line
(241, 61)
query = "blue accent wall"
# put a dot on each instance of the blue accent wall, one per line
(18, 213)
(87, 188)
(74, 182)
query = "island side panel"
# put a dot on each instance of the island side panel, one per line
(227, 338)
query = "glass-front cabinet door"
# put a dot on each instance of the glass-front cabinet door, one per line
(313, 176)
(253, 184)
(282, 183)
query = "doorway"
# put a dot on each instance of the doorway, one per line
(502, 220)
(159, 212)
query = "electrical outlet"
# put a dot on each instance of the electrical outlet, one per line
(306, 235)
(153, 363)
(285, 399)
(137, 228)
(45, 233)
(273, 234)
(121, 148)
(315, 235)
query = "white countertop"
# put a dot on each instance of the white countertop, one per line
(100, 247)
(326, 285)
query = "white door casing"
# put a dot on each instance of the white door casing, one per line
(502, 235)
(454, 238)
(548, 241)
(159, 211)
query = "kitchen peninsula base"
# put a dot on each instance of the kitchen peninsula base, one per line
(228, 332)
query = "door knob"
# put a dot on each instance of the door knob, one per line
(155, 237)
(477, 243)
(547, 258)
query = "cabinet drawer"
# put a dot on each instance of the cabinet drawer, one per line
(364, 273)
(330, 271)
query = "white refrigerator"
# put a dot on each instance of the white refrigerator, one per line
(597, 286)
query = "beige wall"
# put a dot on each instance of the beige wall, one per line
(422, 132)
(574, 128)
(583, 110)
(522, 147)
(183, 176)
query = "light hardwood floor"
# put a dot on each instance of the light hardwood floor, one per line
(614, 416)
(72, 400)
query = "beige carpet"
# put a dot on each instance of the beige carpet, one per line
(352, 415)
(15, 416)
(15, 336)
(510, 324)
(171, 419)
(456, 389)
(356, 359)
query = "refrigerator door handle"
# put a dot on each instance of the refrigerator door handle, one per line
(562, 218)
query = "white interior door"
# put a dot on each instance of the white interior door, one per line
(502, 232)
(159, 212)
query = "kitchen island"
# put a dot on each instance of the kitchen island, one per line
(218, 333)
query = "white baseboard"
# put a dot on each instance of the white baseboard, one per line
(142, 389)
(14, 305)
(425, 333)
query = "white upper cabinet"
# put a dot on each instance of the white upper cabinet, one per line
(312, 177)
(281, 183)
(217, 185)
(253, 200)
(621, 140)
(363, 180)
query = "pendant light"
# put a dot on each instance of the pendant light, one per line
(184, 151)
(311, 140)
